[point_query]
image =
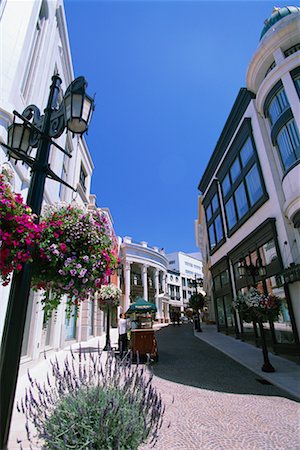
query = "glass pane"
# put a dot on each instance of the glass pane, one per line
(278, 105)
(215, 203)
(229, 311)
(70, 325)
(295, 137)
(26, 334)
(268, 252)
(225, 278)
(220, 310)
(283, 328)
(217, 282)
(226, 185)
(246, 152)
(235, 170)
(241, 201)
(219, 228)
(212, 238)
(254, 186)
(208, 212)
(230, 213)
(286, 148)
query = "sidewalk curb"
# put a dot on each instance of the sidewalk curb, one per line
(272, 378)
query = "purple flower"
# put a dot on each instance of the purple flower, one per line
(86, 258)
(82, 273)
(75, 292)
(85, 280)
(61, 272)
(78, 266)
(73, 272)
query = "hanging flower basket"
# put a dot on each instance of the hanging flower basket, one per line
(255, 306)
(109, 295)
(77, 251)
(18, 231)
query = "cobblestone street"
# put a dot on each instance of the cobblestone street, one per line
(214, 403)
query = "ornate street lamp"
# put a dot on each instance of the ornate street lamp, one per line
(194, 283)
(107, 346)
(36, 130)
(254, 271)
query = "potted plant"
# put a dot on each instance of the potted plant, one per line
(75, 255)
(258, 307)
(18, 232)
(109, 296)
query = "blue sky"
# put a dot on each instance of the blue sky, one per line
(166, 75)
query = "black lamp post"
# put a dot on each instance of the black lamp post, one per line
(35, 130)
(194, 283)
(107, 346)
(254, 271)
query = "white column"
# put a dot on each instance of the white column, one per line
(127, 285)
(164, 284)
(156, 284)
(145, 281)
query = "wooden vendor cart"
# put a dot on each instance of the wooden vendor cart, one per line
(142, 341)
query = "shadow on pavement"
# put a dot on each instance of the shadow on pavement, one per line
(187, 360)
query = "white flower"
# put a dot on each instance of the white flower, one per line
(110, 291)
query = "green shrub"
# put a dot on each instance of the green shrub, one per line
(89, 405)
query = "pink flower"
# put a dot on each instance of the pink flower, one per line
(63, 247)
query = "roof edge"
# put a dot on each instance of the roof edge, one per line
(239, 107)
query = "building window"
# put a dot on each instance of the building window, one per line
(277, 105)
(35, 51)
(214, 222)
(242, 185)
(254, 187)
(82, 178)
(288, 142)
(183, 281)
(230, 213)
(297, 84)
(172, 262)
(292, 50)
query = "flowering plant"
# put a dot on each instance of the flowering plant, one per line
(256, 306)
(76, 253)
(109, 294)
(18, 231)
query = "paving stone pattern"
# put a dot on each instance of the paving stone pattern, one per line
(214, 403)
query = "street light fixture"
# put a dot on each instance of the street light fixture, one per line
(194, 283)
(252, 270)
(107, 347)
(36, 130)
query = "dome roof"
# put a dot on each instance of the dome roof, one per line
(278, 14)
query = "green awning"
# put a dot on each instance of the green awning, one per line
(141, 305)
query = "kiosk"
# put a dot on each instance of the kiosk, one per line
(142, 340)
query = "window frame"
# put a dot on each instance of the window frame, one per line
(211, 222)
(234, 153)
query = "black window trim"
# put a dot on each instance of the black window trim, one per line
(244, 133)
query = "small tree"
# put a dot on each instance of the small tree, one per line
(196, 302)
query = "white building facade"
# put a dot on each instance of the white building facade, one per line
(183, 268)
(251, 188)
(144, 275)
(35, 46)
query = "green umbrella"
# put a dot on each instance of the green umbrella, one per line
(141, 305)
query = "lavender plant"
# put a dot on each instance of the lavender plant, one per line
(88, 404)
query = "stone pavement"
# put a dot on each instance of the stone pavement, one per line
(212, 402)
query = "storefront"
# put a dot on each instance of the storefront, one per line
(259, 252)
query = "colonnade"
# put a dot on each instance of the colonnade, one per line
(145, 272)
